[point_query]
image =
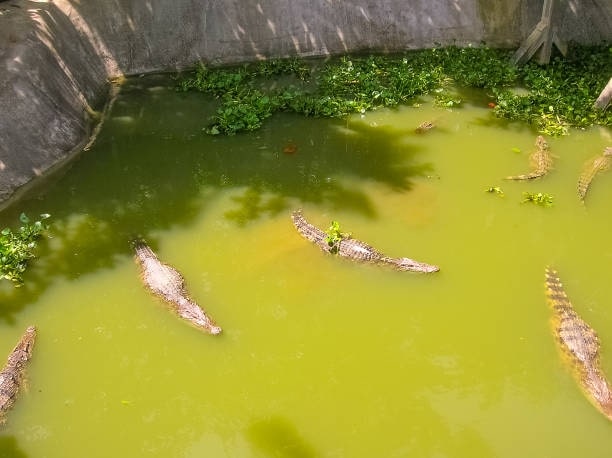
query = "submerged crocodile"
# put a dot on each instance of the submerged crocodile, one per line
(167, 283)
(12, 375)
(424, 127)
(541, 161)
(580, 344)
(355, 249)
(593, 167)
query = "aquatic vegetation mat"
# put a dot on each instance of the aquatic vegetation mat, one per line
(554, 98)
(17, 247)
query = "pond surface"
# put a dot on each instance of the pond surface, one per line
(319, 357)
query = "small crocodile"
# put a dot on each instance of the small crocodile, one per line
(12, 375)
(593, 167)
(541, 161)
(354, 249)
(580, 344)
(424, 127)
(167, 283)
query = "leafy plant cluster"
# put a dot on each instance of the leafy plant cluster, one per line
(556, 97)
(541, 198)
(561, 94)
(495, 190)
(335, 236)
(16, 248)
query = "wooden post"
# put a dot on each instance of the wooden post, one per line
(542, 38)
(604, 98)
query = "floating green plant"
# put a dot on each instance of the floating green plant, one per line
(559, 95)
(495, 190)
(540, 198)
(335, 236)
(554, 98)
(16, 248)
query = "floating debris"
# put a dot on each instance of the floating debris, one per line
(495, 190)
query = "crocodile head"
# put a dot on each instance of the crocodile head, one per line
(541, 143)
(415, 266)
(23, 350)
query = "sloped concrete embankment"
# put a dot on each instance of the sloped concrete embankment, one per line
(56, 56)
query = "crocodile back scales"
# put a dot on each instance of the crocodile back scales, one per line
(159, 277)
(167, 283)
(579, 342)
(354, 249)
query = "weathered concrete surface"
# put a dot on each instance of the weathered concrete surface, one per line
(56, 55)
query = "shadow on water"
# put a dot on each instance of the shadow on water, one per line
(9, 448)
(276, 437)
(438, 437)
(154, 169)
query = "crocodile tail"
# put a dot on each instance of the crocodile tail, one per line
(296, 215)
(527, 176)
(143, 251)
(555, 293)
(308, 231)
(576, 337)
(300, 222)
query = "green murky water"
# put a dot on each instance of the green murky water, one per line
(319, 357)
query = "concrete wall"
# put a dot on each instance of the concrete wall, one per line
(56, 55)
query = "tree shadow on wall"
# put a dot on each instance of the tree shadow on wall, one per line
(153, 169)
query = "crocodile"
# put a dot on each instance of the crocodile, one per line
(580, 344)
(541, 161)
(599, 164)
(424, 127)
(167, 283)
(354, 249)
(12, 375)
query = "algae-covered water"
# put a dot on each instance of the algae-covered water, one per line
(319, 357)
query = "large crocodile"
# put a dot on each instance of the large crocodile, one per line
(541, 161)
(12, 375)
(580, 344)
(592, 168)
(354, 249)
(167, 283)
